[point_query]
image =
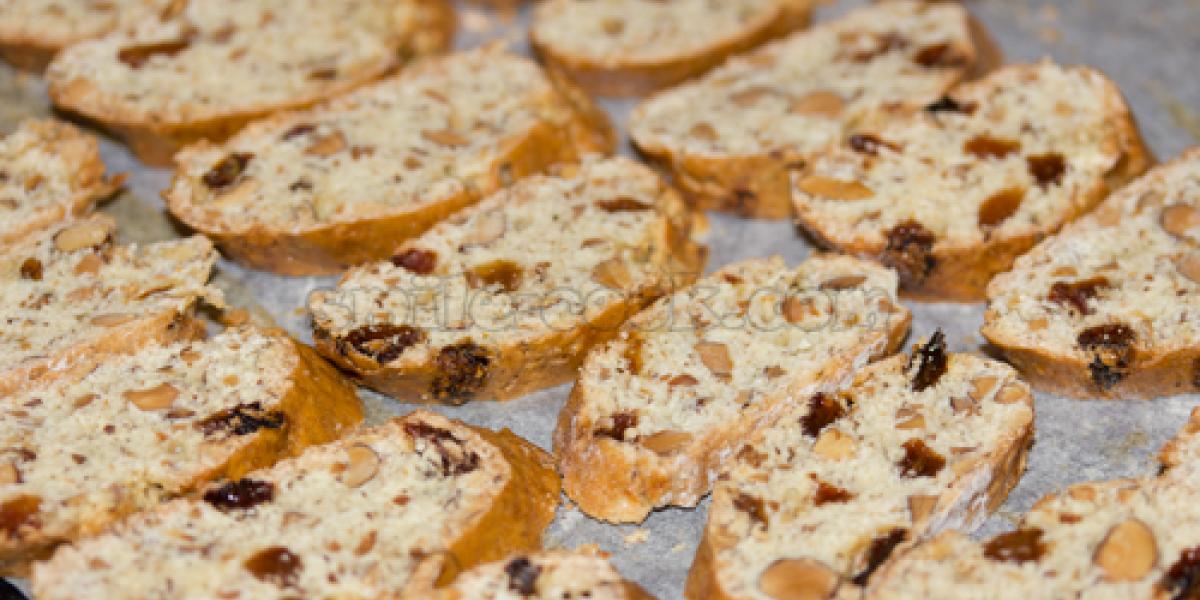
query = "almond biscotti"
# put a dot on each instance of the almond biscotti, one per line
(81, 454)
(548, 575)
(69, 297)
(1108, 307)
(384, 513)
(813, 505)
(49, 171)
(656, 412)
(33, 31)
(507, 296)
(347, 182)
(731, 137)
(951, 195)
(204, 69)
(633, 47)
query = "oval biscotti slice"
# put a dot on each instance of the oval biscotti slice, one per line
(549, 575)
(204, 69)
(69, 297)
(1108, 307)
(730, 137)
(346, 183)
(81, 454)
(812, 506)
(49, 171)
(632, 47)
(384, 513)
(33, 31)
(951, 195)
(656, 412)
(506, 297)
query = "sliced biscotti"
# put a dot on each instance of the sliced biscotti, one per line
(1108, 307)
(385, 512)
(33, 31)
(49, 171)
(656, 412)
(951, 195)
(140, 428)
(731, 137)
(347, 182)
(814, 504)
(632, 47)
(204, 69)
(550, 575)
(507, 296)
(69, 297)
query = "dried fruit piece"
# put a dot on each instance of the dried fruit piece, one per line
(1182, 579)
(1112, 347)
(910, 251)
(80, 236)
(832, 444)
(275, 565)
(455, 457)
(621, 422)
(1000, 206)
(623, 204)
(522, 576)
(845, 282)
(243, 493)
(939, 56)
(155, 398)
(798, 579)
(1047, 169)
(715, 356)
(612, 273)
(227, 172)
(879, 551)
(948, 104)
(837, 189)
(136, 56)
(920, 460)
(243, 419)
(1019, 546)
(17, 512)
(870, 144)
(820, 103)
(827, 494)
(1179, 219)
(822, 410)
(416, 260)
(986, 146)
(667, 442)
(1077, 294)
(362, 467)
(504, 273)
(298, 130)
(31, 268)
(384, 342)
(753, 507)
(930, 361)
(462, 370)
(1128, 552)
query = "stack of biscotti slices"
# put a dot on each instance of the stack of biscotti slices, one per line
(656, 413)
(951, 195)
(204, 69)
(548, 575)
(507, 296)
(49, 171)
(1110, 307)
(386, 512)
(33, 31)
(632, 47)
(814, 504)
(69, 297)
(81, 454)
(731, 137)
(345, 183)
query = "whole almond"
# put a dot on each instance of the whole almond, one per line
(156, 398)
(667, 442)
(80, 236)
(798, 579)
(837, 189)
(1179, 219)
(363, 465)
(715, 356)
(1128, 552)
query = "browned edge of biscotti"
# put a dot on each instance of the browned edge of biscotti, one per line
(28, 54)
(1171, 454)
(633, 77)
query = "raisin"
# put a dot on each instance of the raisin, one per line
(870, 144)
(1019, 546)
(1000, 206)
(920, 460)
(622, 422)
(136, 56)
(884, 43)
(910, 251)
(623, 204)
(243, 493)
(930, 361)
(462, 370)
(10, 592)
(753, 507)
(384, 342)
(31, 268)
(881, 548)
(242, 419)
(1047, 169)
(456, 459)
(827, 494)
(948, 104)
(227, 172)
(301, 185)
(298, 130)
(18, 511)
(939, 56)
(275, 565)
(421, 262)
(522, 576)
(1076, 294)
(1182, 579)
(1114, 352)
(984, 146)
(822, 410)
(505, 273)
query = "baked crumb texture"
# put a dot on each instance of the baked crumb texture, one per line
(33, 31)
(549, 575)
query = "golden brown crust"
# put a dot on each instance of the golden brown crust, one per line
(1172, 453)
(27, 54)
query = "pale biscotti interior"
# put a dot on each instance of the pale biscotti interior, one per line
(548, 255)
(437, 132)
(800, 94)
(1115, 289)
(1015, 155)
(57, 23)
(549, 575)
(911, 447)
(363, 517)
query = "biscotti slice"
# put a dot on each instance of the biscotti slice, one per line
(507, 296)
(69, 297)
(81, 454)
(656, 413)
(385, 513)
(49, 171)
(347, 182)
(550, 575)
(204, 69)
(731, 137)
(812, 506)
(33, 31)
(951, 195)
(1108, 307)
(633, 47)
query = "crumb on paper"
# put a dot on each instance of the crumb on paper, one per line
(638, 536)
(677, 548)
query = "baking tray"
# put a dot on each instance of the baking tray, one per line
(1149, 47)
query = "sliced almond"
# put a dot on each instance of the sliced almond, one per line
(844, 282)
(820, 103)
(964, 405)
(9, 474)
(837, 189)
(1128, 553)
(445, 137)
(612, 273)
(486, 228)
(111, 319)
(667, 442)
(89, 265)
(982, 387)
(797, 309)
(78, 237)
(84, 400)
(1179, 219)
(715, 356)
(1010, 394)
(834, 445)
(327, 145)
(156, 398)
(798, 579)
(363, 465)
(1188, 265)
(921, 506)
(914, 422)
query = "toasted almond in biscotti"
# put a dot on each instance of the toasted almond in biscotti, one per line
(33, 31)
(49, 171)
(441, 496)
(731, 137)
(144, 427)
(346, 183)
(1108, 307)
(69, 297)
(507, 297)
(656, 412)
(204, 69)
(951, 195)
(814, 504)
(548, 575)
(632, 47)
